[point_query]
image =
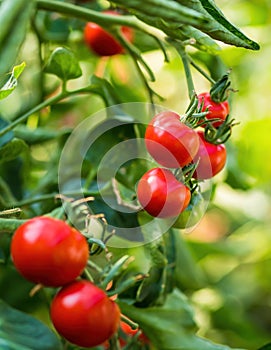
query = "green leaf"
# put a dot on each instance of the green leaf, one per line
(187, 273)
(171, 326)
(167, 10)
(12, 150)
(21, 331)
(218, 27)
(11, 83)
(266, 347)
(231, 34)
(105, 90)
(14, 18)
(63, 64)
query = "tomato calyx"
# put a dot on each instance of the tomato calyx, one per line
(219, 92)
(220, 134)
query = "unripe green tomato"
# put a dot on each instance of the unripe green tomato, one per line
(192, 214)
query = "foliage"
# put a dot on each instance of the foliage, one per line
(186, 291)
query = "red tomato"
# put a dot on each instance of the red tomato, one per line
(170, 142)
(216, 110)
(212, 159)
(161, 195)
(84, 315)
(102, 42)
(49, 251)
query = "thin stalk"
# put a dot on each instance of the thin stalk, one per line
(180, 48)
(201, 71)
(74, 11)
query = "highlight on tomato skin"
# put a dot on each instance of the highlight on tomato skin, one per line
(211, 159)
(48, 251)
(101, 42)
(169, 141)
(161, 194)
(216, 110)
(84, 315)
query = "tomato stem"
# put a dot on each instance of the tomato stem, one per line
(186, 64)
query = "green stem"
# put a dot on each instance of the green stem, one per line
(186, 64)
(37, 108)
(201, 71)
(49, 102)
(49, 196)
(87, 14)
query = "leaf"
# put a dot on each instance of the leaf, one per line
(103, 88)
(21, 331)
(12, 150)
(11, 83)
(167, 10)
(187, 273)
(13, 31)
(171, 326)
(63, 64)
(218, 26)
(266, 347)
(234, 35)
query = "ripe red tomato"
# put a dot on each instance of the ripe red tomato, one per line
(170, 142)
(161, 194)
(49, 251)
(216, 110)
(212, 159)
(102, 42)
(84, 315)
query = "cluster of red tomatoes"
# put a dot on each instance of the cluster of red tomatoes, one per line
(176, 146)
(48, 251)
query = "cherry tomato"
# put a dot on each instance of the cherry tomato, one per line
(192, 214)
(84, 315)
(161, 195)
(170, 142)
(102, 42)
(216, 110)
(211, 158)
(49, 251)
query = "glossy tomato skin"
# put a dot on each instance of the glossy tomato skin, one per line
(48, 251)
(212, 159)
(170, 142)
(84, 315)
(161, 195)
(216, 110)
(102, 42)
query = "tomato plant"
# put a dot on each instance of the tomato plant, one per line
(101, 41)
(161, 194)
(97, 184)
(48, 251)
(216, 110)
(211, 158)
(83, 314)
(169, 141)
